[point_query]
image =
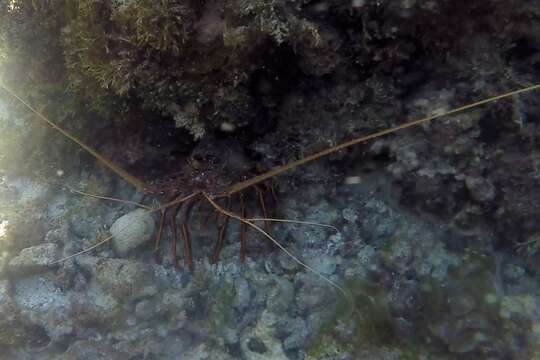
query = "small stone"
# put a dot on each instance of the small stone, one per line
(353, 180)
(227, 127)
(34, 258)
(131, 231)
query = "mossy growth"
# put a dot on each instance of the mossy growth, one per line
(360, 322)
(222, 309)
(188, 61)
(219, 308)
(363, 326)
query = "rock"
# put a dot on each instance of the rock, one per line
(30, 192)
(175, 301)
(44, 306)
(322, 264)
(145, 309)
(280, 298)
(131, 231)
(205, 352)
(287, 263)
(12, 331)
(313, 294)
(4, 261)
(4, 292)
(95, 306)
(515, 306)
(243, 295)
(261, 342)
(125, 278)
(90, 349)
(461, 303)
(467, 342)
(34, 259)
(480, 189)
(58, 234)
(350, 214)
(298, 334)
(367, 260)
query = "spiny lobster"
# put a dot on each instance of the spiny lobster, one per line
(179, 200)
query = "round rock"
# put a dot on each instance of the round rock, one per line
(131, 231)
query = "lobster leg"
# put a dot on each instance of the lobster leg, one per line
(159, 235)
(243, 229)
(262, 202)
(185, 210)
(221, 237)
(274, 199)
(175, 238)
(187, 247)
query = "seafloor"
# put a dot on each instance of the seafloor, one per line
(435, 236)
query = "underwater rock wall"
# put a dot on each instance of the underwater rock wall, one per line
(438, 225)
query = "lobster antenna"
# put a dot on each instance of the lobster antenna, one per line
(281, 169)
(127, 202)
(287, 252)
(298, 222)
(138, 184)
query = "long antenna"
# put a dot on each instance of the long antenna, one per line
(138, 184)
(281, 169)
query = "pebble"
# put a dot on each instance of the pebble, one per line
(131, 231)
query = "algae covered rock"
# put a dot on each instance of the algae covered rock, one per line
(34, 259)
(91, 349)
(261, 342)
(124, 278)
(94, 305)
(45, 306)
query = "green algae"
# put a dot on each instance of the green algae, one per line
(364, 325)
(222, 309)
(359, 322)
